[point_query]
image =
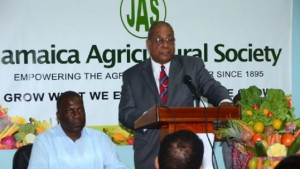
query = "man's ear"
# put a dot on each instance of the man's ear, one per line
(156, 163)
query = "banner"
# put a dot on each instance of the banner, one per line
(48, 47)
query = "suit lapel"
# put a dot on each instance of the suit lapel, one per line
(175, 78)
(149, 78)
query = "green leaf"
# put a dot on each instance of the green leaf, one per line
(275, 101)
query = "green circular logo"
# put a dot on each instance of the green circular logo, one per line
(138, 15)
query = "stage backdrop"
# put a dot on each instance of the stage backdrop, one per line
(51, 46)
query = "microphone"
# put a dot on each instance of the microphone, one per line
(188, 81)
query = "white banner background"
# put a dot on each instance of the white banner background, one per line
(252, 27)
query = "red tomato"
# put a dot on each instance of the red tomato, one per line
(256, 137)
(256, 107)
(2, 112)
(130, 140)
(287, 139)
(270, 114)
(289, 100)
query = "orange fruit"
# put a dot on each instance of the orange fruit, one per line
(265, 111)
(259, 127)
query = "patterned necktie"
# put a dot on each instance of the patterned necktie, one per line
(163, 85)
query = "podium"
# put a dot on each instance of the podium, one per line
(198, 120)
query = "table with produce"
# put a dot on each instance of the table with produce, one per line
(267, 132)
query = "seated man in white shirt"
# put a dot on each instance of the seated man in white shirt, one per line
(70, 145)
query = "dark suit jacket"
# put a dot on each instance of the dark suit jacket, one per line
(139, 93)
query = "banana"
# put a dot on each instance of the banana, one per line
(118, 137)
(18, 120)
(117, 134)
(9, 131)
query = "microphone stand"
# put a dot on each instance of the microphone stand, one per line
(196, 99)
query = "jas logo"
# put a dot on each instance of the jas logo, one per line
(138, 15)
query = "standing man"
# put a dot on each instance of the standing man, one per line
(70, 145)
(159, 80)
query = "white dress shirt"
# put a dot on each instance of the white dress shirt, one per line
(53, 149)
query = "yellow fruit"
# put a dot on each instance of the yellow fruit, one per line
(259, 127)
(39, 130)
(277, 124)
(249, 112)
(252, 163)
(267, 162)
(18, 120)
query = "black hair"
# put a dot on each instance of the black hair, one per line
(290, 162)
(64, 96)
(182, 149)
(150, 32)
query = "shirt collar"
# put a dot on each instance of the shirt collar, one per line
(156, 67)
(61, 131)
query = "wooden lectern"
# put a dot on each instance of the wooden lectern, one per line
(198, 120)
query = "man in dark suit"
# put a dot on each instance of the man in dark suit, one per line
(141, 89)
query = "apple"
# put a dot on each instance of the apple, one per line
(2, 112)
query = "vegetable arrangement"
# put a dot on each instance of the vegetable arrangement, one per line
(119, 134)
(268, 128)
(17, 132)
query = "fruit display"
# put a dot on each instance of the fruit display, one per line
(4, 121)
(119, 134)
(15, 131)
(267, 132)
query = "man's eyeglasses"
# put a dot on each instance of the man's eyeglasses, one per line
(160, 41)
